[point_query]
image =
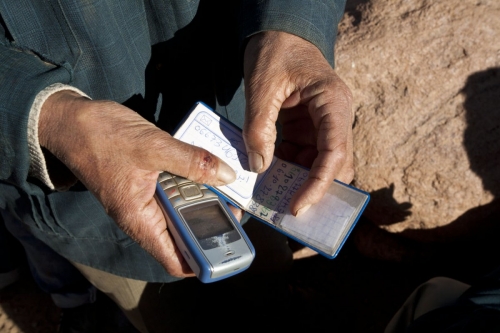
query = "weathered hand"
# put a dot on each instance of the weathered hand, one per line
(287, 79)
(118, 156)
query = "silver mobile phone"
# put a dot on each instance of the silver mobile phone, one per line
(210, 238)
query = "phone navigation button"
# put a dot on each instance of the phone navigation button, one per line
(190, 192)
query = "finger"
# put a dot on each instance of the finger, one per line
(259, 131)
(168, 254)
(330, 110)
(301, 155)
(264, 93)
(237, 212)
(346, 173)
(140, 216)
(166, 153)
(171, 257)
(297, 126)
(199, 165)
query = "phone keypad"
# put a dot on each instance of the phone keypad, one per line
(175, 186)
(181, 180)
(190, 191)
(168, 183)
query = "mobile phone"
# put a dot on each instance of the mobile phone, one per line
(211, 240)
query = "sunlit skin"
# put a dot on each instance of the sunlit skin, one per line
(118, 155)
(288, 79)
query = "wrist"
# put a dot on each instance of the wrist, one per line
(280, 51)
(53, 115)
(56, 119)
(53, 136)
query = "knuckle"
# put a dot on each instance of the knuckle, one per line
(342, 94)
(348, 174)
(262, 138)
(340, 155)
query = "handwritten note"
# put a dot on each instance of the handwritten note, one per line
(267, 196)
(272, 198)
(205, 130)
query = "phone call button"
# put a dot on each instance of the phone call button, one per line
(172, 192)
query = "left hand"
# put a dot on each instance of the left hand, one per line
(288, 79)
(118, 156)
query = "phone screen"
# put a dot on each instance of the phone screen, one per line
(209, 224)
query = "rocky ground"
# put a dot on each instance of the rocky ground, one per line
(425, 77)
(375, 272)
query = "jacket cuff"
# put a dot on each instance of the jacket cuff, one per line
(314, 21)
(38, 165)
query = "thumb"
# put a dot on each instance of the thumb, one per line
(264, 93)
(196, 164)
(259, 133)
(159, 151)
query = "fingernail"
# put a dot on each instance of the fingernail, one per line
(302, 210)
(225, 173)
(255, 162)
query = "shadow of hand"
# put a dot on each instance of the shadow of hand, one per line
(384, 204)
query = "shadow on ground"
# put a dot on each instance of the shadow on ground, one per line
(350, 293)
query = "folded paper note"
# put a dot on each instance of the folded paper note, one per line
(266, 196)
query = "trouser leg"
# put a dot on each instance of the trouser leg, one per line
(187, 304)
(152, 307)
(10, 257)
(53, 273)
(435, 293)
(126, 293)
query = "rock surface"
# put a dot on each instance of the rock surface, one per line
(425, 77)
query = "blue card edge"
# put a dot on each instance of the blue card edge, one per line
(227, 199)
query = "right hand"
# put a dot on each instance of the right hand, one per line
(287, 79)
(118, 156)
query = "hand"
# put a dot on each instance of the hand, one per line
(118, 156)
(287, 79)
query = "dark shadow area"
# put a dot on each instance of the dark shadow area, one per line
(354, 9)
(482, 136)
(29, 317)
(368, 291)
(482, 143)
(355, 293)
(351, 293)
(26, 307)
(384, 198)
(186, 68)
(31, 310)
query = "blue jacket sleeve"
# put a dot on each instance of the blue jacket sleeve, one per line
(22, 76)
(314, 20)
